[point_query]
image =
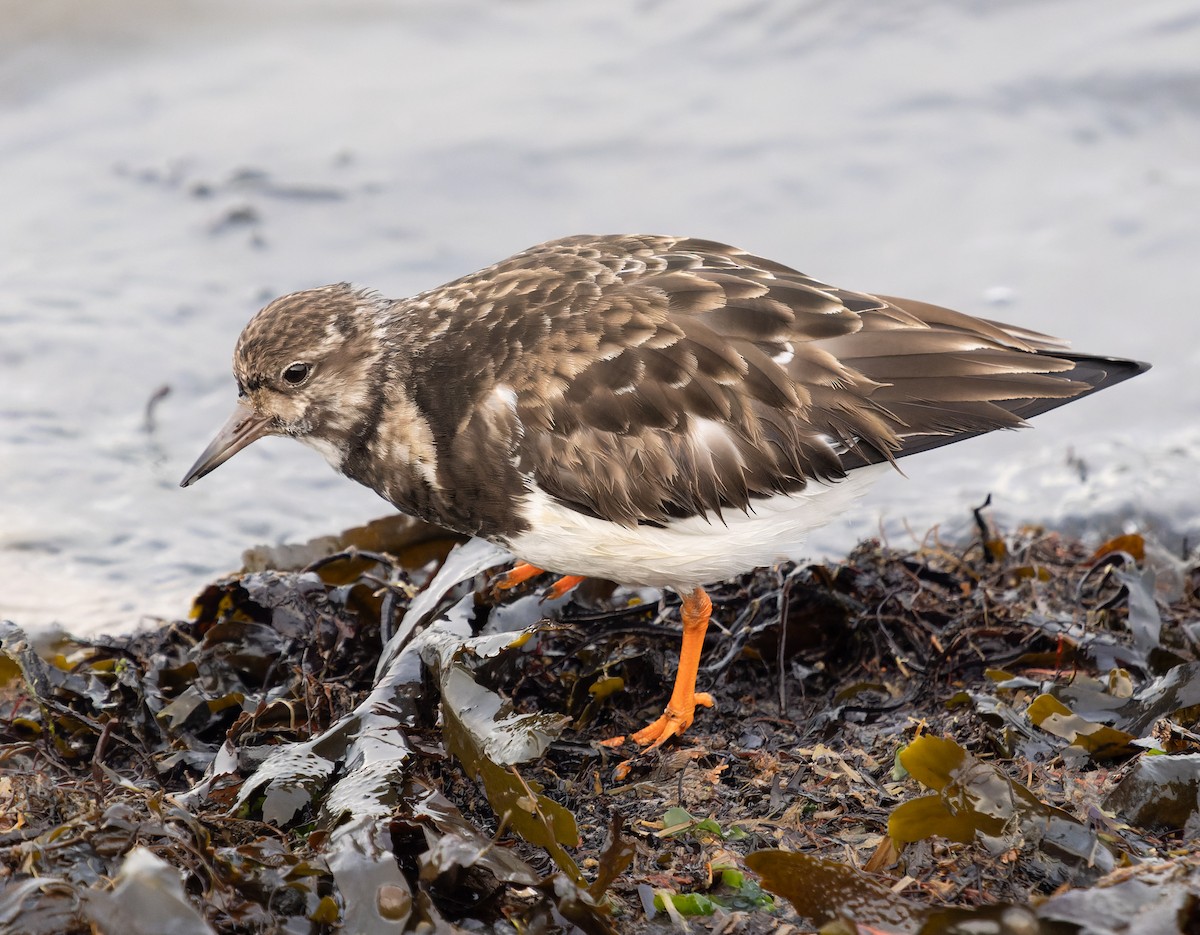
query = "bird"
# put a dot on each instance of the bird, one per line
(658, 411)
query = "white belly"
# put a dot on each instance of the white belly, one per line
(685, 553)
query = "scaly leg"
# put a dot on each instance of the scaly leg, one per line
(681, 709)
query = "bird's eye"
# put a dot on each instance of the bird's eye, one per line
(297, 373)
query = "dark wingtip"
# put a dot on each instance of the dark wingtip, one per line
(1102, 372)
(1095, 373)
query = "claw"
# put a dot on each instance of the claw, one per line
(672, 723)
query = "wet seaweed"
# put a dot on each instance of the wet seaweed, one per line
(998, 738)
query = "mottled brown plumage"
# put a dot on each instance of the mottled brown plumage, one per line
(598, 402)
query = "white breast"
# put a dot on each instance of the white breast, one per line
(687, 552)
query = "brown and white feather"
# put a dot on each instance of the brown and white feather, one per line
(638, 383)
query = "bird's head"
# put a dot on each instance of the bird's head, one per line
(304, 367)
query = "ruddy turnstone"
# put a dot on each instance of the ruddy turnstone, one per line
(658, 411)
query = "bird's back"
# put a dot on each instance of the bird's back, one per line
(641, 379)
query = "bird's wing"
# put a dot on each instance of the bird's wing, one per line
(657, 377)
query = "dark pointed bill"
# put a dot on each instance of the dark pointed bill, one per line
(244, 426)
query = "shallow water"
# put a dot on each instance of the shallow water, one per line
(167, 168)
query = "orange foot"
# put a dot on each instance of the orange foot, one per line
(672, 723)
(519, 573)
(562, 586)
(681, 709)
(523, 571)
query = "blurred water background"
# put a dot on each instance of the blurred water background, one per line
(167, 168)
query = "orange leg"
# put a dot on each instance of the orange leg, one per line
(523, 571)
(563, 585)
(682, 707)
(520, 572)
